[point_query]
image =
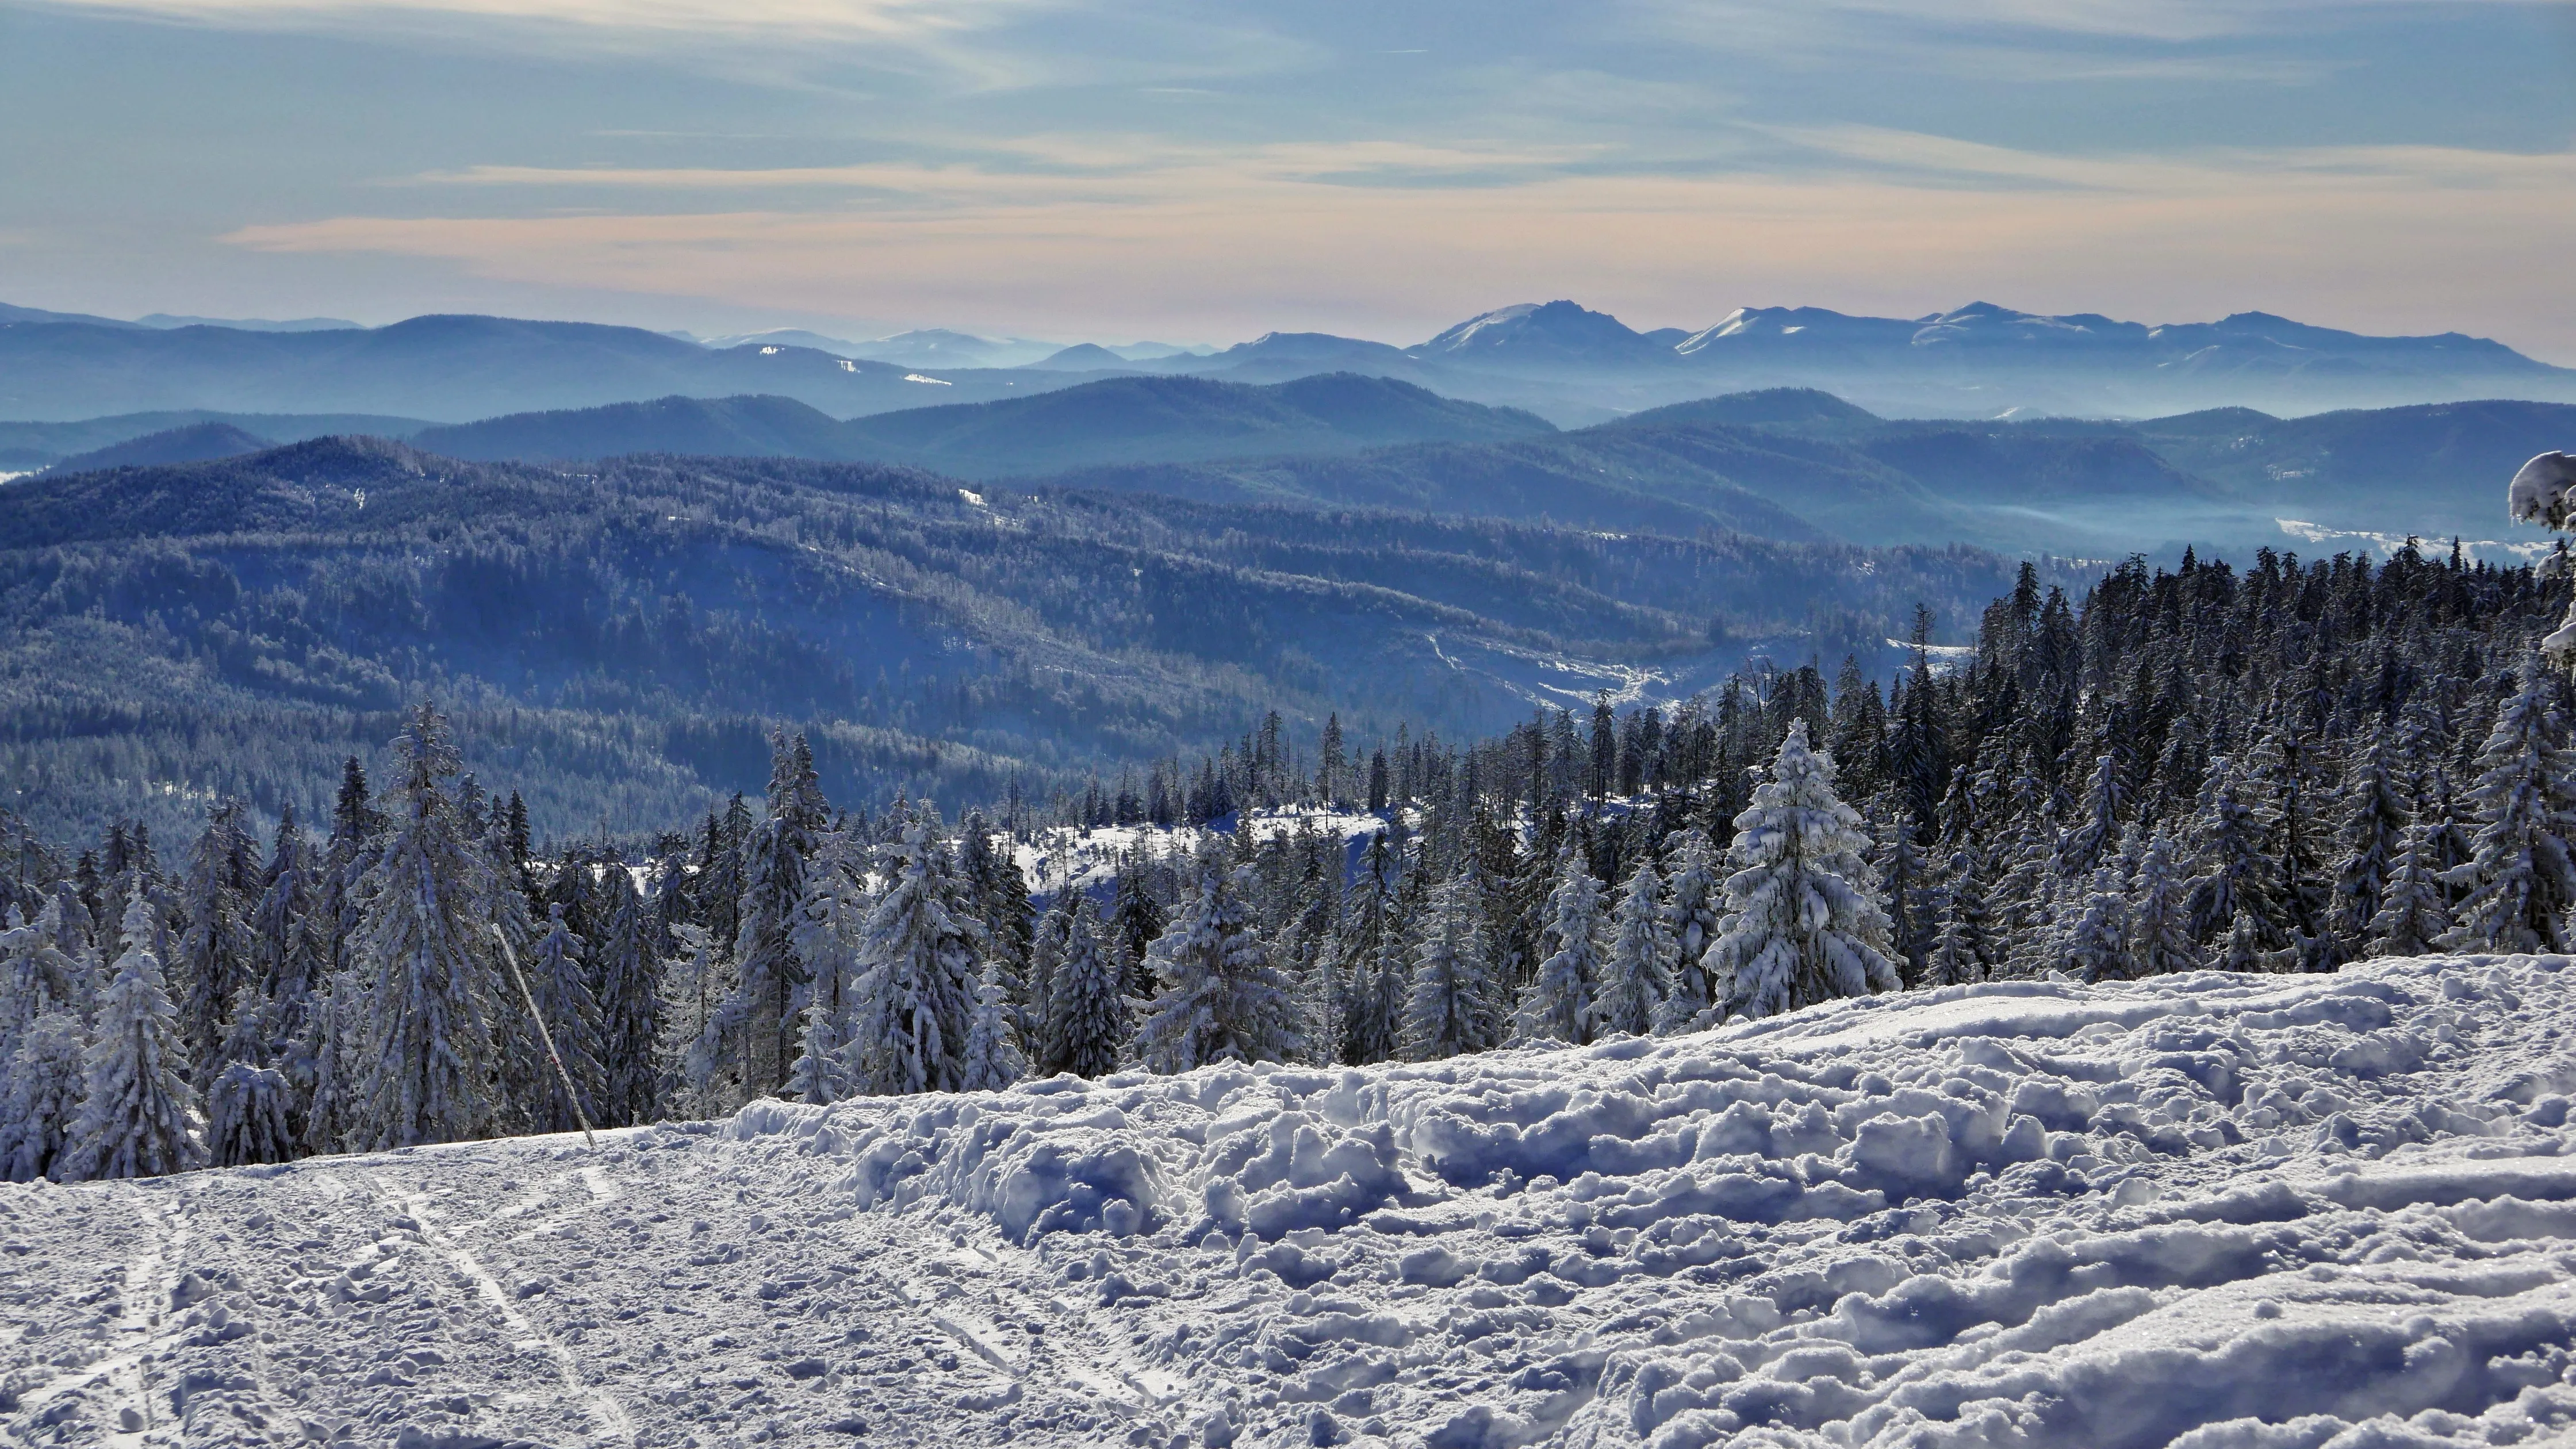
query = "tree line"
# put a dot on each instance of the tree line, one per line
(2279, 769)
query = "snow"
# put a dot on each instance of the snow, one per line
(2204, 1209)
(1087, 860)
(932, 381)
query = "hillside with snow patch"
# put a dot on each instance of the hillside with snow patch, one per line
(2206, 1209)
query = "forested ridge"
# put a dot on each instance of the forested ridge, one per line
(2279, 769)
(619, 642)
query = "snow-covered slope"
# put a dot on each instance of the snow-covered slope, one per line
(2210, 1210)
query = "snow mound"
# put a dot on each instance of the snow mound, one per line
(2205, 1210)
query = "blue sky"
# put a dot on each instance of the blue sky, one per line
(1208, 171)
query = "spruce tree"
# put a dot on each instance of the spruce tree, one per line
(40, 1095)
(2160, 936)
(1087, 1026)
(558, 975)
(2414, 910)
(1963, 950)
(2520, 878)
(1637, 968)
(915, 996)
(1450, 1008)
(1561, 1001)
(1135, 923)
(831, 928)
(992, 1059)
(138, 1114)
(1692, 907)
(249, 1116)
(2094, 946)
(214, 954)
(2375, 825)
(428, 1062)
(1800, 926)
(1221, 1000)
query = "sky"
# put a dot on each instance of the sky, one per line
(1205, 171)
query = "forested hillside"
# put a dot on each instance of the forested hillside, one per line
(2273, 771)
(619, 642)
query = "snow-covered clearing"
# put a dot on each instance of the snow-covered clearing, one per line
(2025, 1213)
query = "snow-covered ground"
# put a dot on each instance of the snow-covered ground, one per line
(1088, 860)
(2209, 1210)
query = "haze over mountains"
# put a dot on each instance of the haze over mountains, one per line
(1557, 359)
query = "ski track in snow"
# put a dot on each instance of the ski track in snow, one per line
(2219, 1211)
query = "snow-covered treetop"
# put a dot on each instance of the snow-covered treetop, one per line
(2540, 492)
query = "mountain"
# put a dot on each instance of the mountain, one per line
(9, 314)
(25, 447)
(749, 427)
(625, 635)
(785, 337)
(1549, 336)
(1121, 420)
(194, 443)
(1082, 357)
(445, 368)
(165, 320)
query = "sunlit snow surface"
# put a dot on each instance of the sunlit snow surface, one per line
(2213, 1210)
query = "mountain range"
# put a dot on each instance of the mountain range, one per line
(1783, 463)
(1562, 361)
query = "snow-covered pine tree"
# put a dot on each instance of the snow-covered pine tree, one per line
(2242, 948)
(915, 996)
(831, 927)
(1800, 926)
(1221, 1000)
(1087, 1026)
(428, 1063)
(290, 944)
(2236, 874)
(1963, 949)
(138, 1114)
(2095, 946)
(2521, 879)
(249, 1115)
(2414, 910)
(1691, 912)
(1562, 1000)
(40, 1093)
(2160, 939)
(992, 1059)
(558, 972)
(1380, 983)
(1637, 967)
(2374, 831)
(1047, 941)
(1902, 884)
(214, 954)
(1135, 923)
(1450, 1008)
(329, 1066)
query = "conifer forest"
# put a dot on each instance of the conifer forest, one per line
(2281, 767)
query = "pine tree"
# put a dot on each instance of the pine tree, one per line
(1800, 928)
(214, 954)
(630, 1008)
(2236, 870)
(2160, 938)
(915, 996)
(290, 943)
(2520, 880)
(138, 1115)
(2093, 946)
(1637, 969)
(992, 1060)
(429, 1058)
(249, 1116)
(40, 1094)
(1963, 950)
(1561, 1002)
(831, 929)
(558, 977)
(1692, 907)
(2414, 911)
(1450, 1007)
(1901, 884)
(2374, 831)
(1221, 999)
(1135, 923)
(1088, 1022)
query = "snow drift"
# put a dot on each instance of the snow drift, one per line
(2207, 1210)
